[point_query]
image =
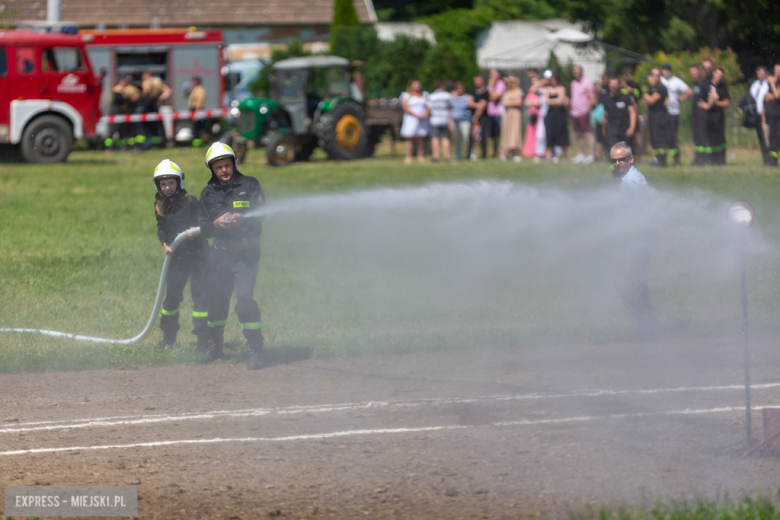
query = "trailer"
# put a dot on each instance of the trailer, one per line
(173, 55)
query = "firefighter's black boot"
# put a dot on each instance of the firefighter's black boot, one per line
(214, 350)
(255, 345)
(169, 323)
(169, 339)
(203, 343)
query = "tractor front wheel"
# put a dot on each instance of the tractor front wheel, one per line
(280, 150)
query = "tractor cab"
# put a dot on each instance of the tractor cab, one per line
(301, 84)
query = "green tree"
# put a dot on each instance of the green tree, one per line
(408, 10)
(565, 74)
(344, 14)
(395, 63)
(516, 9)
(356, 43)
(448, 60)
(751, 29)
(344, 18)
(460, 25)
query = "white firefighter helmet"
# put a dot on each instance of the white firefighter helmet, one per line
(219, 151)
(168, 169)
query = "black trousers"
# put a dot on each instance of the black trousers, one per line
(185, 266)
(231, 271)
(763, 144)
(700, 142)
(658, 121)
(485, 124)
(616, 133)
(674, 141)
(774, 140)
(716, 137)
(197, 126)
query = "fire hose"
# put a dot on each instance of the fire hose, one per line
(155, 310)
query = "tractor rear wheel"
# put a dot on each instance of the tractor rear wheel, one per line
(280, 150)
(342, 132)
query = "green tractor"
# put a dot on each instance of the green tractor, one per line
(313, 103)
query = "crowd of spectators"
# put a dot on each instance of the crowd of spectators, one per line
(535, 124)
(491, 118)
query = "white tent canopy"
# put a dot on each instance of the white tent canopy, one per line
(526, 44)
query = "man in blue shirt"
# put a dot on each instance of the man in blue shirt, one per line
(622, 159)
(634, 260)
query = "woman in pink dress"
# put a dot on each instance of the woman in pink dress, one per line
(534, 114)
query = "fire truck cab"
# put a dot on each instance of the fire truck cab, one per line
(49, 95)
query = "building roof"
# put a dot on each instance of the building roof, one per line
(184, 13)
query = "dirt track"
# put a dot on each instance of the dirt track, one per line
(487, 433)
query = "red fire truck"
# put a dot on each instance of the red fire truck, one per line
(173, 55)
(49, 95)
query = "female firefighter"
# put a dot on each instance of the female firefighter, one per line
(177, 212)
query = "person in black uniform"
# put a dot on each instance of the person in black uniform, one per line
(698, 117)
(234, 258)
(656, 100)
(629, 86)
(718, 98)
(619, 120)
(772, 115)
(478, 102)
(177, 212)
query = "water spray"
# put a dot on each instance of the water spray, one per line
(742, 212)
(155, 310)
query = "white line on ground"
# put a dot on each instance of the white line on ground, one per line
(157, 418)
(375, 432)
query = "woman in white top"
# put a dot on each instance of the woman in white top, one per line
(414, 128)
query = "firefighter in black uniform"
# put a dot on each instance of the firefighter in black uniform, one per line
(656, 100)
(717, 99)
(177, 212)
(235, 254)
(698, 117)
(772, 114)
(629, 86)
(619, 120)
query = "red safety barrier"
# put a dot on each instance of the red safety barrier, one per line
(158, 116)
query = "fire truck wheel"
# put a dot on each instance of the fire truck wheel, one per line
(47, 139)
(280, 150)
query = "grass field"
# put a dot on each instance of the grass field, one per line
(79, 254)
(749, 506)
